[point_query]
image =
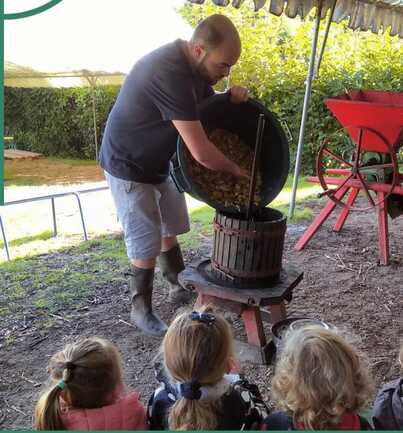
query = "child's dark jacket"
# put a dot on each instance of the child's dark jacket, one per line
(387, 413)
(240, 407)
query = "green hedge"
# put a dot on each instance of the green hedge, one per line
(57, 121)
(273, 66)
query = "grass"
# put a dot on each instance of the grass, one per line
(61, 280)
(201, 217)
(201, 227)
(105, 247)
(50, 171)
(11, 180)
(300, 213)
(74, 162)
(27, 239)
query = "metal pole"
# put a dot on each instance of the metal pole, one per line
(94, 120)
(54, 217)
(322, 48)
(308, 88)
(255, 164)
(92, 82)
(51, 197)
(81, 214)
(5, 239)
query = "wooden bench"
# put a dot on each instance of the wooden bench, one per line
(9, 143)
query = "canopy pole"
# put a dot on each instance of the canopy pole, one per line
(92, 81)
(95, 124)
(308, 88)
(94, 114)
(322, 48)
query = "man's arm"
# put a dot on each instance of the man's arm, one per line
(203, 150)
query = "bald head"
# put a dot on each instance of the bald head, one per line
(215, 47)
(215, 30)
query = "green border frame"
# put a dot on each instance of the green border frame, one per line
(29, 13)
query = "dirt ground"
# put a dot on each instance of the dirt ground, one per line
(343, 285)
(44, 171)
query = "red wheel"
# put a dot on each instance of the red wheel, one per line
(340, 160)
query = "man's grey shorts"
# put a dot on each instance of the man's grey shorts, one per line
(147, 213)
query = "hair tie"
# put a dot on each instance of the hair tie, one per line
(206, 318)
(61, 384)
(190, 390)
(69, 365)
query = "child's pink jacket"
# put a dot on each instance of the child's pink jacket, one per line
(125, 414)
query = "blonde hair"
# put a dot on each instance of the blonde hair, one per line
(92, 373)
(319, 377)
(197, 351)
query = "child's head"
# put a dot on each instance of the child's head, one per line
(86, 374)
(319, 377)
(198, 350)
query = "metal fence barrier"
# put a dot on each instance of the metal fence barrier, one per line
(50, 197)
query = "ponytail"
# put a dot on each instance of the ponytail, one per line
(197, 350)
(91, 371)
(47, 411)
(193, 415)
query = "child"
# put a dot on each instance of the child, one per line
(320, 383)
(196, 392)
(87, 391)
(388, 406)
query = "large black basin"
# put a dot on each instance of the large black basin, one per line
(241, 119)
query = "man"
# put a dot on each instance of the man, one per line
(158, 99)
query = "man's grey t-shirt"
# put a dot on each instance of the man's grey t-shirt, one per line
(139, 138)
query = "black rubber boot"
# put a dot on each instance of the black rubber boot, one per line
(141, 288)
(171, 264)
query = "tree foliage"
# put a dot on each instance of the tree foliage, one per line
(274, 64)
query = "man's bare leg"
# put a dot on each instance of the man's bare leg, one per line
(168, 243)
(144, 264)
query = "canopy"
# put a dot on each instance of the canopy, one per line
(374, 15)
(24, 76)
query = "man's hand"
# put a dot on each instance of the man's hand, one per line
(238, 94)
(240, 172)
(204, 151)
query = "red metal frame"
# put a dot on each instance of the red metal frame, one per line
(252, 316)
(353, 186)
(381, 114)
(381, 111)
(356, 170)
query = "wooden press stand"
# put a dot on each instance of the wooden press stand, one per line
(247, 303)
